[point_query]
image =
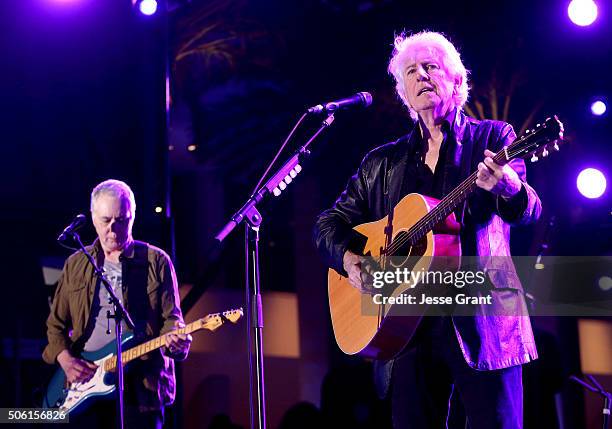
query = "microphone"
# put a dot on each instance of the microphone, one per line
(77, 223)
(360, 99)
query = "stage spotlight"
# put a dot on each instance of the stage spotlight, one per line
(591, 183)
(148, 7)
(605, 283)
(598, 108)
(582, 12)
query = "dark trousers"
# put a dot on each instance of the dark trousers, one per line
(428, 375)
(103, 414)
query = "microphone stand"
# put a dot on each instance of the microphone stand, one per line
(120, 315)
(596, 387)
(253, 219)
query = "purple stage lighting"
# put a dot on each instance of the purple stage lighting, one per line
(598, 108)
(582, 12)
(591, 183)
(148, 7)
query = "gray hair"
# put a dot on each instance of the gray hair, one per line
(449, 57)
(116, 188)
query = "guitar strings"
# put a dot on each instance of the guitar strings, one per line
(450, 202)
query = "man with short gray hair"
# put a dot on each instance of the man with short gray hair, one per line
(143, 278)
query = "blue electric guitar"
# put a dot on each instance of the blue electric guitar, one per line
(70, 396)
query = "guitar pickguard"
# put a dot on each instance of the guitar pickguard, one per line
(97, 385)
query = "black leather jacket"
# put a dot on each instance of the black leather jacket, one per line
(379, 185)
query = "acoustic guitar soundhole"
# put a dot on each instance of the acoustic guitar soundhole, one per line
(404, 253)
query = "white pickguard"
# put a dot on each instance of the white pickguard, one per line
(78, 392)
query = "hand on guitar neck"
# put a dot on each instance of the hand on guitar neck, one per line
(76, 369)
(81, 370)
(178, 344)
(498, 179)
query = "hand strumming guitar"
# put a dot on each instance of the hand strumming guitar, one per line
(358, 271)
(76, 369)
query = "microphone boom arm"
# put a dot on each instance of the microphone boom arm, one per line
(275, 186)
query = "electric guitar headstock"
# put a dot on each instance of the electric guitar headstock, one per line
(214, 321)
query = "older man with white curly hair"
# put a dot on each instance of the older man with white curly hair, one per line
(476, 357)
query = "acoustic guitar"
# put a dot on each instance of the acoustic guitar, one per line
(424, 234)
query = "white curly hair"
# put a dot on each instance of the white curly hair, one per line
(442, 48)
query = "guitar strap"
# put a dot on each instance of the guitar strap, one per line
(465, 160)
(136, 274)
(394, 179)
(452, 161)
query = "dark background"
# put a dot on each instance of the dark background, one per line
(82, 86)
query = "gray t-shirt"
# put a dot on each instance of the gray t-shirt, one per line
(98, 322)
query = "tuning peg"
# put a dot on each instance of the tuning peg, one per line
(538, 126)
(534, 158)
(544, 153)
(297, 168)
(288, 179)
(556, 147)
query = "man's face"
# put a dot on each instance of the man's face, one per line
(113, 219)
(427, 83)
